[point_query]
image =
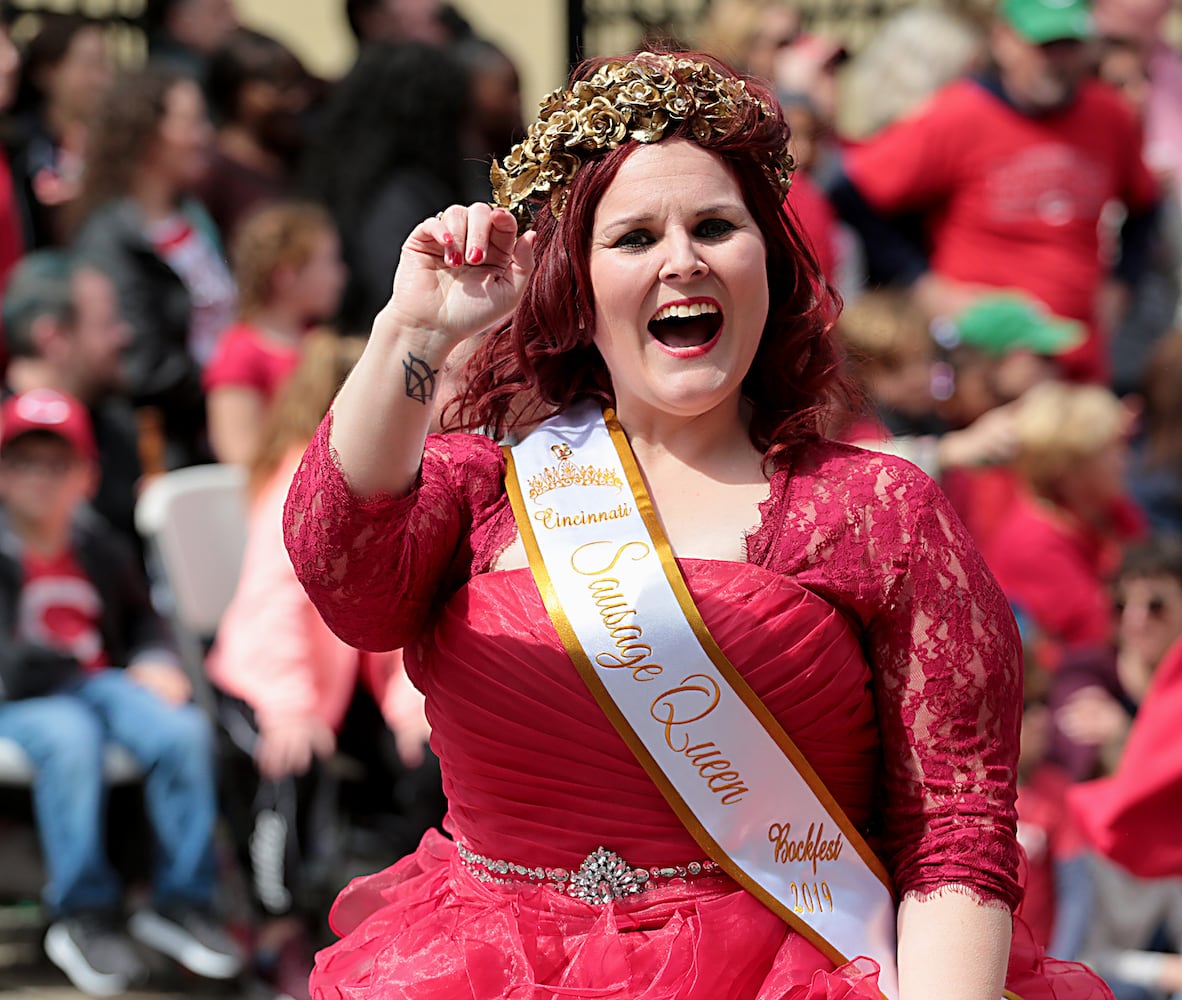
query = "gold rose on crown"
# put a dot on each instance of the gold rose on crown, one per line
(636, 100)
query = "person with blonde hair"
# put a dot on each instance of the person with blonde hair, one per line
(1060, 540)
(287, 262)
(290, 690)
(892, 355)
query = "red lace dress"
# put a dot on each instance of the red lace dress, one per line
(863, 618)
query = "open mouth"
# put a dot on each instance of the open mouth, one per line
(686, 325)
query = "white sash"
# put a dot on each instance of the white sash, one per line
(732, 775)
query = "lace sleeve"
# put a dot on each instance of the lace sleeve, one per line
(946, 659)
(878, 538)
(375, 567)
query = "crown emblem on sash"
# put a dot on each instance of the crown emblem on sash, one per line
(567, 473)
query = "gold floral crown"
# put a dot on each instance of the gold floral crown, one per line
(637, 100)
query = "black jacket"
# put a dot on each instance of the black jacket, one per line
(154, 302)
(130, 628)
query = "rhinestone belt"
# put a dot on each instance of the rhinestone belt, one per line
(602, 877)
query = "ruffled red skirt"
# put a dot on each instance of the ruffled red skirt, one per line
(425, 929)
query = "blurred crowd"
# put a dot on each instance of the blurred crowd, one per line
(193, 250)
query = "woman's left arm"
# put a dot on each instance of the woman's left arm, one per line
(952, 947)
(948, 686)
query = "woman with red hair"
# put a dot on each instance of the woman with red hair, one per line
(711, 694)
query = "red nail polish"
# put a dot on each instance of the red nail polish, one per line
(453, 258)
(447, 239)
(475, 255)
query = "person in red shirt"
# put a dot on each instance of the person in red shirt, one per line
(287, 262)
(85, 660)
(1059, 540)
(1009, 173)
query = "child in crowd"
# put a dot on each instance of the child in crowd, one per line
(943, 415)
(83, 660)
(892, 355)
(996, 349)
(1002, 345)
(287, 261)
(292, 691)
(1059, 541)
(1096, 692)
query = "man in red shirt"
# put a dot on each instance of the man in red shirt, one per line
(1008, 175)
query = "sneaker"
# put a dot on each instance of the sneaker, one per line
(190, 936)
(95, 954)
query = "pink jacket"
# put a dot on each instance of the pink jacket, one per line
(273, 650)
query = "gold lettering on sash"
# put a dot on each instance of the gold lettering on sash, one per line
(679, 706)
(811, 897)
(813, 847)
(551, 520)
(615, 611)
(575, 556)
(683, 705)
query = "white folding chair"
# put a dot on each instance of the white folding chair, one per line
(194, 523)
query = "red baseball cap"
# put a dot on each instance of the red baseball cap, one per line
(51, 412)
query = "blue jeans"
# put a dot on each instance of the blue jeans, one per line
(63, 734)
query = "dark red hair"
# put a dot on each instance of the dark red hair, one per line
(543, 359)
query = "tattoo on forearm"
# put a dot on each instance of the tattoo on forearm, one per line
(420, 379)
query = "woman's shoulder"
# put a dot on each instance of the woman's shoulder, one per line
(463, 446)
(472, 463)
(197, 215)
(844, 470)
(836, 504)
(115, 224)
(241, 336)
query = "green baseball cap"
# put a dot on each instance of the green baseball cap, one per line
(998, 324)
(1040, 21)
